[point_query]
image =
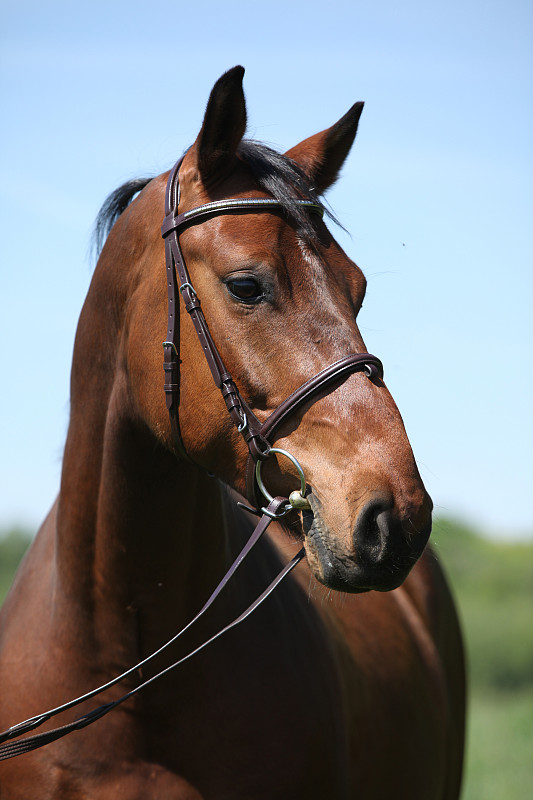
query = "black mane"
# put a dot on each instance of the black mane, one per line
(113, 206)
(285, 180)
(275, 174)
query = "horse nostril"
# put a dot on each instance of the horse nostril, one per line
(373, 527)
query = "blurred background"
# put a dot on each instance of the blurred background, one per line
(437, 197)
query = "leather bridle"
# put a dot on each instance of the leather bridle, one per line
(257, 435)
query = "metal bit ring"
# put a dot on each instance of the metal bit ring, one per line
(297, 499)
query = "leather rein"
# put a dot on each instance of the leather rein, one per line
(258, 437)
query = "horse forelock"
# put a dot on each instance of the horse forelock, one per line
(284, 179)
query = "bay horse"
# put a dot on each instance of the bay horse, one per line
(348, 680)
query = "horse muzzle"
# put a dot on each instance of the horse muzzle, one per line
(378, 554)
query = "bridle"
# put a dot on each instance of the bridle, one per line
(257, 435)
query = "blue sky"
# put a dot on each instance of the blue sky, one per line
(437, 195)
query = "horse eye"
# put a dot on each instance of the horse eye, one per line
(247, 290)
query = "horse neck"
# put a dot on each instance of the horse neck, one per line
(140, 536)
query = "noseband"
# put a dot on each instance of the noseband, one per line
(257, 435)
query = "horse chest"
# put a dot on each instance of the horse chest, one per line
(252, 720)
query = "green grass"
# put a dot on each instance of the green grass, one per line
(500, 746)
(493, 585)
(13, 545)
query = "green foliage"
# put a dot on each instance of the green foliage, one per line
(493, 583)
(499, 764)
(13, 545)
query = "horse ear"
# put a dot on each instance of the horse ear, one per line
(322, 155)
(223, 127)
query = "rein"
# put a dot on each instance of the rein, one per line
(17, 748)
(258, 437)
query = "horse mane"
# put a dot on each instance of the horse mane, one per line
(114, 205)
(275, 173)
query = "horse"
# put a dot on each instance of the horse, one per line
(348, 680)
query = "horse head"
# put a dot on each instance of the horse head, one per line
(281, 299)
